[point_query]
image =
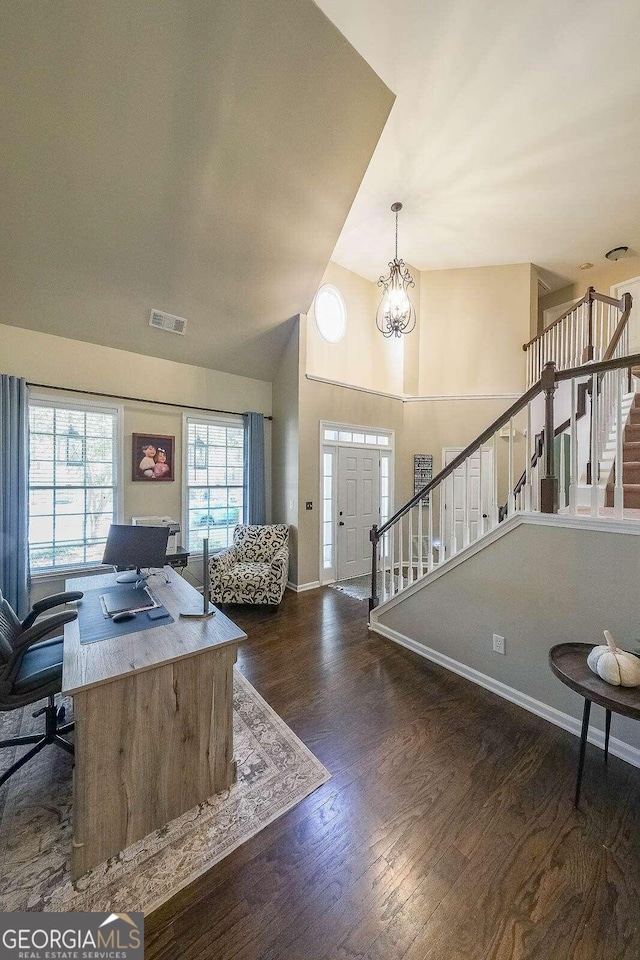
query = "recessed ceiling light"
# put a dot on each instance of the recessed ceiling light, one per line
(616, 253)
(586, 266)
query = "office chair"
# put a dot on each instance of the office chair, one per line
(30, 669)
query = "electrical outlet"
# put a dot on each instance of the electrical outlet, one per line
(309, 505)
(498, 644)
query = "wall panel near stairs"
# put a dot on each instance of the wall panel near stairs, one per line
(544, 581)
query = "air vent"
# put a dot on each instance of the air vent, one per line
(166, 321)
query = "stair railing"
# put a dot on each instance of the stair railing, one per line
(583, 333)
(460, 504)
(617, 347)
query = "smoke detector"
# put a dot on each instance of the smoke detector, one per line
(616, 253)
(167, 322)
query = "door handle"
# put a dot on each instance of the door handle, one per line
(341, 523)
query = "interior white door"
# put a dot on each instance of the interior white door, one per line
(632, 287)
(358, 509)
(465, 522)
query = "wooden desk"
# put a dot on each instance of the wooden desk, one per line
(154, 721)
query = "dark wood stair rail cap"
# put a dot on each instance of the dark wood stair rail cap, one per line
(603, 366)
(590, 295)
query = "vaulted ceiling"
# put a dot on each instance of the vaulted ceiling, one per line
(196, 157)
(515, 135)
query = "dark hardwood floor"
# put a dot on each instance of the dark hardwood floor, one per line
(447, 830)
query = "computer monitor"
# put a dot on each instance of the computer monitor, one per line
(129, 546)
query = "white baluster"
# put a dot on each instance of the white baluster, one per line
(495, 508)
(443, 552)
(392, 560)
(420, 565)
(400, 555)
(465, 503)
(454, 539)
(594, 445)
(430, 557)
(511, 502)
(618, 493)
(528, 457)
(382, 567)
(410, 549)
(573, 441)
(480, 504)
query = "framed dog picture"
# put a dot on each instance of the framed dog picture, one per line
(152, 457)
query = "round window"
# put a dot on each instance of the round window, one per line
(331, 313)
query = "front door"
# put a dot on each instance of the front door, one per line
(479, 502)
(358, 509)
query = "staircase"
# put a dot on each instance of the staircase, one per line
(578, 401)
(630, 461)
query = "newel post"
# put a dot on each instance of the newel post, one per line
(588, 351)
(373, 536)
(549, 482)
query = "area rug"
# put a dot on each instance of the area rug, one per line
(275, 772)
(360, 587)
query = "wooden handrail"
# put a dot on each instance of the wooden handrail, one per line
(559, 319)
(620, 328)
(603, 366)
(603, 298)
(590, 295)
(504, 418)
(588, 370)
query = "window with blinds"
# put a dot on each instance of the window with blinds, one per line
(73, 481)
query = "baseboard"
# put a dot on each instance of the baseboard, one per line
(302, 587)
(618, 748)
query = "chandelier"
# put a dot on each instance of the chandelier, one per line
(396, 314)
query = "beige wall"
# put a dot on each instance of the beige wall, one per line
(471, 327)
(286, 433)
(322, 401)
(474, 322)
(43, 358)
(602, 276)
(429, 426)
(363, 357)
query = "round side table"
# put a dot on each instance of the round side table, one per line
(569, 663)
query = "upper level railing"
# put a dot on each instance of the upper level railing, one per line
(582, 408)
(586, 331)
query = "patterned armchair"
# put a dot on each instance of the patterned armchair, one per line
(255, 568)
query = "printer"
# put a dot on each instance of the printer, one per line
(174, 529)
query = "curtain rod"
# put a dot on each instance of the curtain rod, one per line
(116, 396)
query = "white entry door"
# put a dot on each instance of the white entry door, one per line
(480, 505)
(632, 287)
(358, 509)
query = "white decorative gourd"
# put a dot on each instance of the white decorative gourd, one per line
(614, 665)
